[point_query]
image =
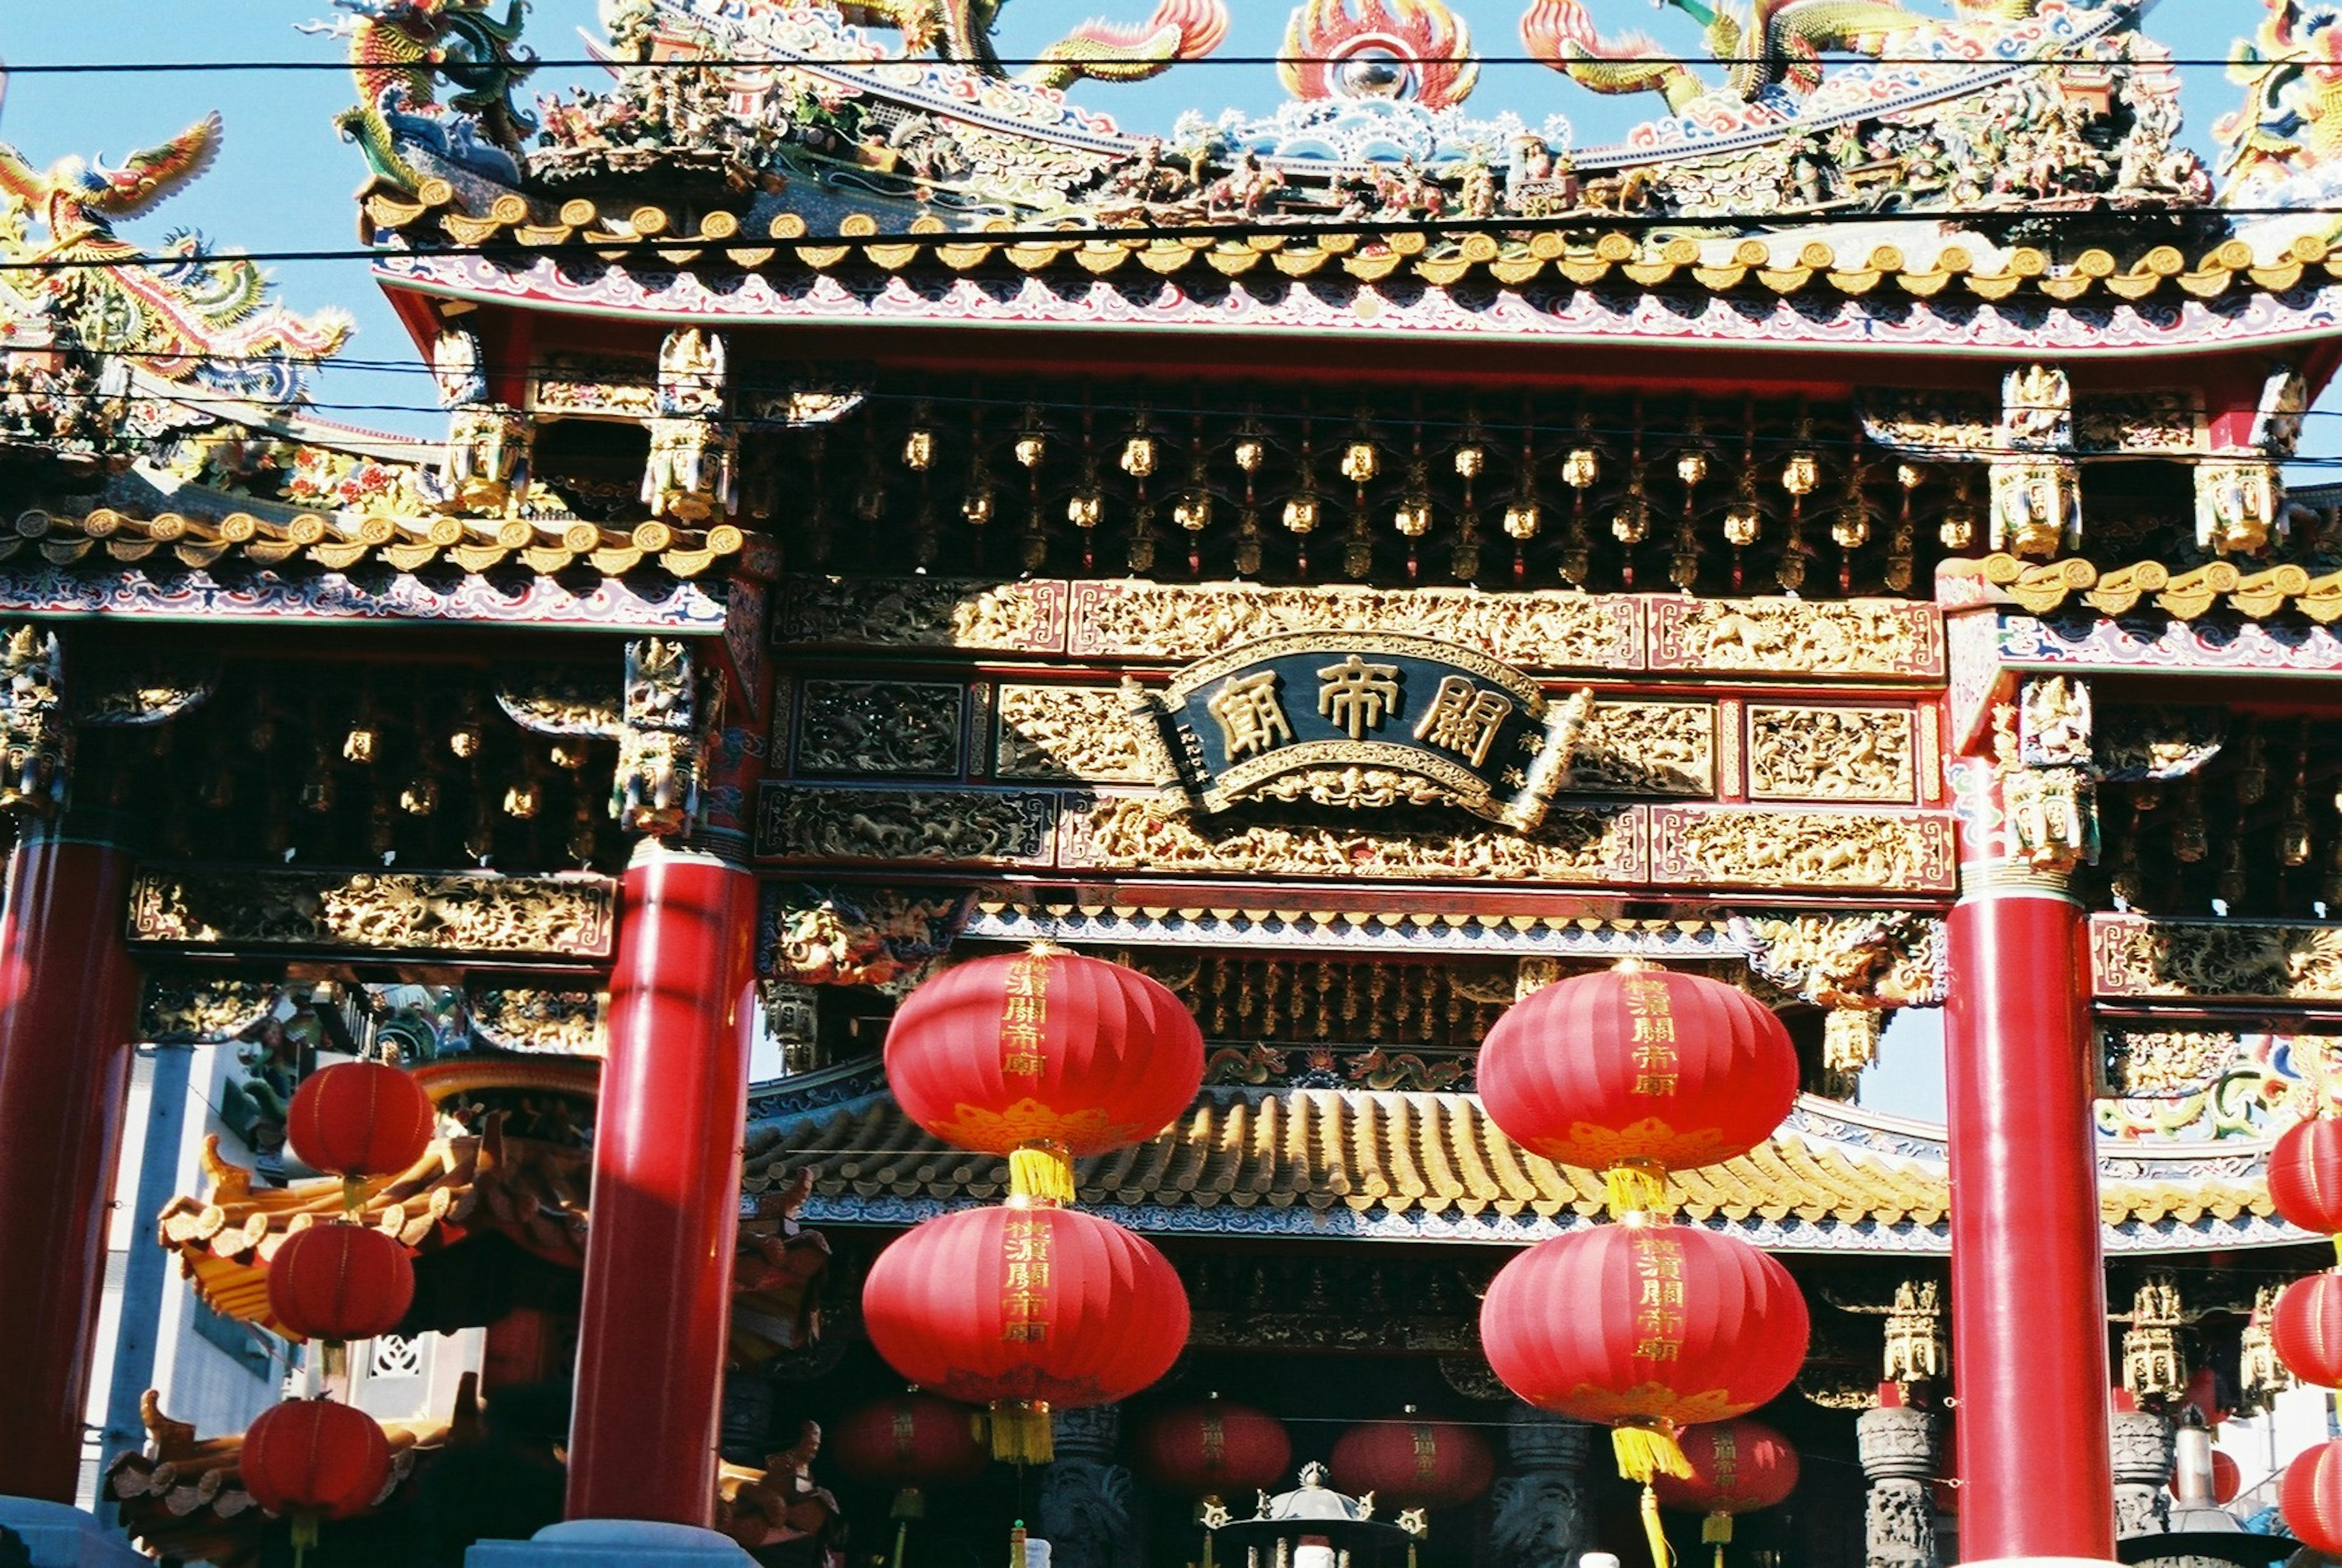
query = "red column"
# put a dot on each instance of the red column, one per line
(2029, 1288)
(666, 1194)
(68, 1000)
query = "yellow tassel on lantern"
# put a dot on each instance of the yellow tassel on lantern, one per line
(1716, 1530)
(1653, 1531)
(1021, 1433)
(1635, 1187)
(1040, 1176)
(1645, 1453)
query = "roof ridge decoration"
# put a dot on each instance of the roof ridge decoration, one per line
(904, 111)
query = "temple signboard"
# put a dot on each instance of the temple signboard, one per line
(1363, 719)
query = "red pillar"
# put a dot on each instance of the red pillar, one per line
(2029, 1288)
(666, 1194)
(68, 999)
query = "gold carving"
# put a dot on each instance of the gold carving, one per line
(2168, 1063)
(1145, 834)
(862, 936)
(454, 914)
(962, 826)
(1357, 789)
(1075, 733)
(35, 730)
(926, 612)
(661, 745)
(1250, 714)
(2155, 1363)
(204, 1010)
(1856, 961)
(1787, 638)
(520, 1019)
(880, 727)
(1646, 748)
(1725, 847)
(1549, 630)
(1830, 753)
(2137, 957)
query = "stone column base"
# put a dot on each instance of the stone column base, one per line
(62, 1537)
(610, 1543)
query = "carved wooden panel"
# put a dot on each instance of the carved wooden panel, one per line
(1885, 638)
(1646, 748)
(939, 826)
(1830, 753)
(902, 728)
(1079, 735)
(1732, 846)
(377, 914)
(2137, 955)
(924, 613)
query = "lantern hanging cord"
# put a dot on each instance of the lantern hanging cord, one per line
(1021, 1434)
(1645, 1452)
(1040, 1176)
(1637, 1187)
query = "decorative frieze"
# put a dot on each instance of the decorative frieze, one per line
(203, 1009)
(1082, 734)
(1645, 749)
(1719, 846)
(1830, 753)
(944, 827)
(2137, 955)
(1145, 834)
(662, 744)
(883, 727)
(528, 1018)
(375, 914)
(1857, 961)
(924, 612)
(856, 936)
(35, 730)
(1884, 638)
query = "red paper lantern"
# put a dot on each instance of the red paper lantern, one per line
(1023, 1309)
(340, 1282)
(1638, 1071)
(1647, 1328)
(313, 1459)
(1214, 1450)
(2310, 1498)
(1737, 1467)
(360, 1119)
(910, 1440)
(2304, 1177)
(2306, 1330)
(1414, 1463)
(2227, 1478)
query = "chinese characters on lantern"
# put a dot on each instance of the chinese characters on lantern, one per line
(1652, 1016)
(1025, 1281)
(1659, 1298)
(1025, 1010)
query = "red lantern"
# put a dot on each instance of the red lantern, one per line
(1415, 1464)
(2310, 1498)
(2306, 1330)
(1635, 1072)
(1214, 1450)
(1647, 1329)
(2227, 1478)
(340, 1282)
(2304, 1177)
(910, 1440)
(1023, 1309)
(1044, 1057)
(312, 1459)
(1737, 1467)
(360, 1119)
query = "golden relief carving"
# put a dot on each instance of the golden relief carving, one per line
(1830, 753)
(2164, 1063)
(1546, 630)
(453, 912)
(1149, 833)
(1884, 637)
(1080, 735)
(1646, 748)
(1899, 959)
(924, 612)
(527, 1019)
(1357, 789)
(204, 1009)
(2138, 956)
(1726, 847)
(958, 826)
(880, 727)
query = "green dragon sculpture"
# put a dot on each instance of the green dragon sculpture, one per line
(961, 31)
(1769, 42)
(398, 51)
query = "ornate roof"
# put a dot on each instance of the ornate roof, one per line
(1432, 1167)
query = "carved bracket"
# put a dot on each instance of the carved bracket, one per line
(35, 732)
(662, 740)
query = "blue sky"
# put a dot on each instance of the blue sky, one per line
(283, 179)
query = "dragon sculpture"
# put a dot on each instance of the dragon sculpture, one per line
(961, 31)
(398, 51)
(1760, 42)
(188, 318)
(2291, 122)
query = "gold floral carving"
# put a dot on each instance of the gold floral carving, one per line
(862, 936)
(1830, 753)
(1146, 833)
(1883, 637)
(1075, 733)
(880, 727)
(1357, 789)
(453, 913)
(2138, 956)
(1646, 748)
(1856, 961)
(1708, 847)
(2163, 1062)
(924, 612)
(957, 826)
(1539, 630)
(204, 1009)
(526, 1019)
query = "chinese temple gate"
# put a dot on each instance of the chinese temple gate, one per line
(1356, 567)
